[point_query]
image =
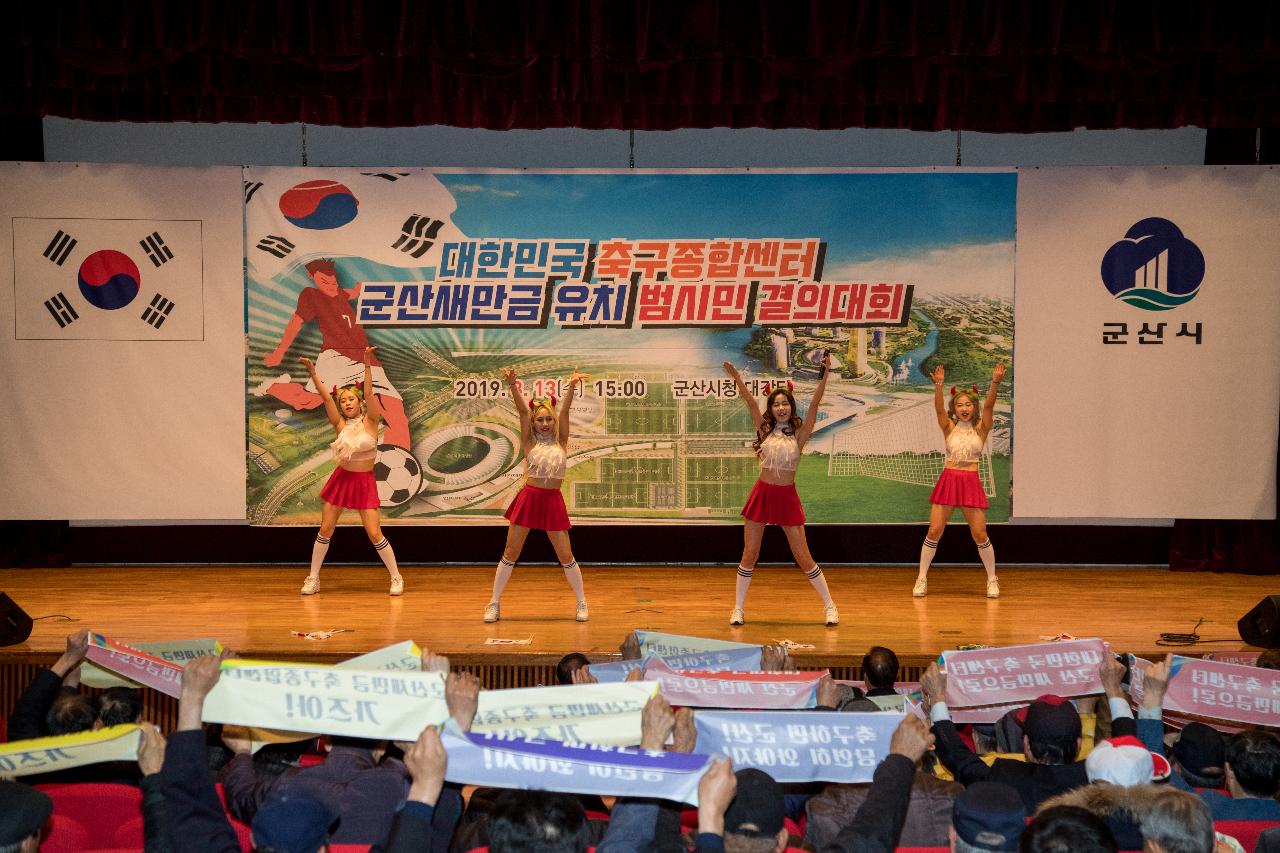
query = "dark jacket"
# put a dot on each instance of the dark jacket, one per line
(928, 812)
(1035, 782)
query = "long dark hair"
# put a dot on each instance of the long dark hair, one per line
(768, 424)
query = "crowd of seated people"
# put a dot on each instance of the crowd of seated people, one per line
(1070, 776)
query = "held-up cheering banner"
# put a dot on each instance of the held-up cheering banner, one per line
(47, 754)
(603, 714)
(813, 746)
(327, 700)
(746, 659)
(543, 765)
(777, 690)
(1019, 674)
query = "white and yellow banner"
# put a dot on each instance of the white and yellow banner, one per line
(601, 714)
(47, 754)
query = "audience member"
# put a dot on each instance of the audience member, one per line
(23, 811)
(1067, 829)
(986, 816)
(1051, 739)
(1177, 822)
(880, 671)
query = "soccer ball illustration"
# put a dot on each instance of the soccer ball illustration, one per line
(398, 474)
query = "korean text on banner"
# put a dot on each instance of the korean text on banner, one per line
(1002, 676)
(669, 645)
(401, 656)
(178, 652)
(135, 665)
(602, 714)
(1223, 691)
(810, 746)
(327, 700)
(774, 690)
(46, 754)
(572, 769)
(746, 659)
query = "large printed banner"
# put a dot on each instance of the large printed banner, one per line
(1147, 316)
(604, 714)
(799, 747)
(1224, 691)
(648, 282)
(773, 690)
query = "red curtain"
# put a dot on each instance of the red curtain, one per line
(993, 65)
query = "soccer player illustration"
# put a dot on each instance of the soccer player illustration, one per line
(340, 362)
(781, 435)
(959, 485)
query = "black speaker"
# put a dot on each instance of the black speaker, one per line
(1261, 625)
(15, 624)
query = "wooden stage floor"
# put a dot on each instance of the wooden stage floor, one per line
(253, 610)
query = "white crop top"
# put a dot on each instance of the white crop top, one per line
(354, 444)
(546, 460)
(964, 446)
(779, 452)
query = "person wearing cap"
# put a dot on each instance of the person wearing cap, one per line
(987, 816)
(1051, 739)
(292, 823)
(1121, 771)
(23, 812)
(1251, 759)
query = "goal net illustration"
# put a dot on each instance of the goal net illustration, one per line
(905, 446)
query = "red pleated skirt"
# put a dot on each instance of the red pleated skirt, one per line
(539, 509)
(351, 489)
(959, 488)
(770, 503)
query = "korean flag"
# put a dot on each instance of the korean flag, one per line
(398, 218)
(108, 279)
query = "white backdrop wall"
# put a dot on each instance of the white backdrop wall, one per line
(109, 417)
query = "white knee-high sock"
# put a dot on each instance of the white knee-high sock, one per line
(388, 557)
(927, 551)
(819, 581)
(987, 554)
(744, 581)
(573, 575)
(500, 578)
(318, 552)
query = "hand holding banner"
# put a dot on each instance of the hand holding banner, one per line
(1020, 674)
(172, 651)
(135, 665)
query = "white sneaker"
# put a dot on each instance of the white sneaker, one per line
(737, 616)
(397, 585)
(993, 588)
(580, 615)
(921, 589)
(311, 585)
(833, 616)
(492, 612)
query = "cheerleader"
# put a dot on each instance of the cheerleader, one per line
(355, 415)
(780, 437)
(959, 486)
(544, 435)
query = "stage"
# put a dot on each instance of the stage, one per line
(253, 610)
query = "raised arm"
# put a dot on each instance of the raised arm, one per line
(940, 407)
(517, 400)
(811, 416)
(989, 404)
(372, 408)
(563, 430)
(330, 407)
(752, 405)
